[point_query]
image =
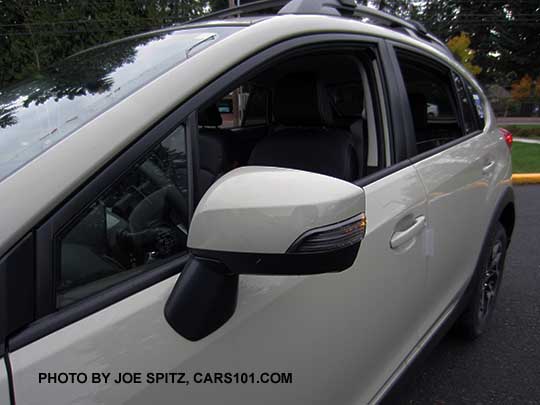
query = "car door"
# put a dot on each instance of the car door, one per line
(456, 163)
(332, 338)
(341, 336)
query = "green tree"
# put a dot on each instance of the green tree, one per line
(504, 34)
(216, 5)
(522, 89)
(401, 8)
(459, 45)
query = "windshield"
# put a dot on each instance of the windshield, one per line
(39, 112)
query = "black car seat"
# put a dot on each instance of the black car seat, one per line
(418, 103)
(304, 138)
(213, 148)
(348, 111)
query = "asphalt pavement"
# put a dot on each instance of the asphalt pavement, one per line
(503, 366)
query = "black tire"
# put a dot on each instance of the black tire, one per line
(474, 320)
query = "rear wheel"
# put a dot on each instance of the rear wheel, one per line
(475, 318)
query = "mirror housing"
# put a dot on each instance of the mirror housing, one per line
(258, 220)
(267, 221)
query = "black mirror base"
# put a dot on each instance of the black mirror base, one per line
(202, 300)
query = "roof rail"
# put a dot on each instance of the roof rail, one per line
(344, 8)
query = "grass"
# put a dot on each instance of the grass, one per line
(527, 126)
(525, 157)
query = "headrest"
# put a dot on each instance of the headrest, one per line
(297, 100)
(346, 102)
(418, 104)
(329, 152)
(212, 150)
(347, 99)
(210, 117)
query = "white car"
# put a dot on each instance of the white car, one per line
(305, 256)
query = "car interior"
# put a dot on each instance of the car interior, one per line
(315, 119)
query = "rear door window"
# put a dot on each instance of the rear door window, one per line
(432, 100)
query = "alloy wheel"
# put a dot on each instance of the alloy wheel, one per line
(490, 282)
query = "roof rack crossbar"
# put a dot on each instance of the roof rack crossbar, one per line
(388, 19)
(253, 7)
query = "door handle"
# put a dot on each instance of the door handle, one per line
(400, 237)
(488, 167)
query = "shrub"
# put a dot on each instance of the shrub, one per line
(524, 132)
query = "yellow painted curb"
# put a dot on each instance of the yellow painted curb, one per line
(526, 178)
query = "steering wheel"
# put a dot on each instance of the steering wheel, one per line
(153, 223)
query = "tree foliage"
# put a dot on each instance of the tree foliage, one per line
(504, 34)
(525, 89)
(216, 5)
(459, 45)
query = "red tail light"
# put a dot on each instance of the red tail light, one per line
(508, 137)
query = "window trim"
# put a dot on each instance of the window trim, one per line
(373, 70)
(48, 318)
(17, 280)
(416, 157)
(401, 135)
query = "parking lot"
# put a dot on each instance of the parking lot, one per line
(503, 366)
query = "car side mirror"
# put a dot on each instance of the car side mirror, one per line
(267, 221)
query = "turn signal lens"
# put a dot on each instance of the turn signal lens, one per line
(331, 237)
(508, 137)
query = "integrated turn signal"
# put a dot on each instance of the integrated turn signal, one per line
(332, 237)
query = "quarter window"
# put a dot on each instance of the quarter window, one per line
(478, 105)
(466, 108)
(136, 224)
